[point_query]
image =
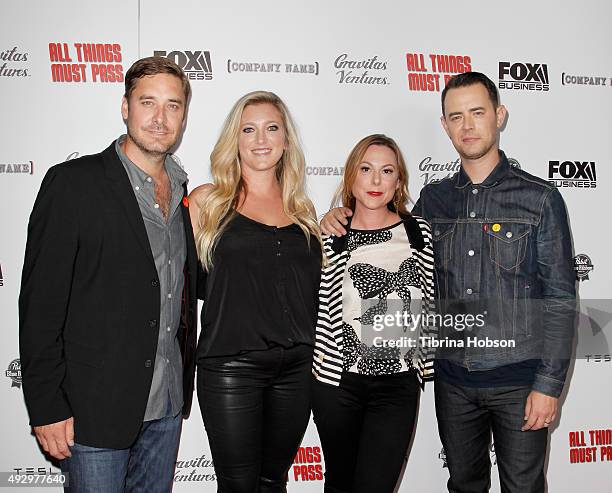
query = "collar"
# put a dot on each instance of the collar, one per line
(176, 173)
(413, 231)
(501, 170)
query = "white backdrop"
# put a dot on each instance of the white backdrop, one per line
(342, 68)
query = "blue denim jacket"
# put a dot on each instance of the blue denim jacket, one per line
(503, 250)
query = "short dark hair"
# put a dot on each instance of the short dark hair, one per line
(469, 79)
(154, 65)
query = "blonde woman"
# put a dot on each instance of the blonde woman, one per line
(366, 388)
(259, 244)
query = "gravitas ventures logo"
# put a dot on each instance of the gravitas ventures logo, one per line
(14, 63)
(194, 470)
(432, 171)
(363, 71)
(523, 76)
(195, 64)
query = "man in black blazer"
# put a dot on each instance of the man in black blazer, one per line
(107, 302)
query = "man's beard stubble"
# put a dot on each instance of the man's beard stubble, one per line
(145, 149)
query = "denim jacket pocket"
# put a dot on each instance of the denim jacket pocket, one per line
(442, 234)
(508, 245)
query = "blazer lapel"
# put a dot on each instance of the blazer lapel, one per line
(122, 189)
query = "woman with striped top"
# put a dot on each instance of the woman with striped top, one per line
(375, 290)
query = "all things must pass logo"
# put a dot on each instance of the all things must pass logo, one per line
(14, 373)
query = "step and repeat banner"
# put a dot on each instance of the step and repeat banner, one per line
(345, 69)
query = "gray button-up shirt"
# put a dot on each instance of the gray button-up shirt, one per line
(167, 240)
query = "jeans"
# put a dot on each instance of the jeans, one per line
(365, 426)
(255, 409)
(466, 417)
(147, 466)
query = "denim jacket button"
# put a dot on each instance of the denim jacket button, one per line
(469, 291)
(474, 191)
(509, 234)
(471, 253)
(472, 214)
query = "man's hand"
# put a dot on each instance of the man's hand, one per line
(333, 222)
(540, 411)
(55, 438)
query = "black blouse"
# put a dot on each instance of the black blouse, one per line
(261, 290)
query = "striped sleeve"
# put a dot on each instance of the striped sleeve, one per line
(425, 262)
(327, 364)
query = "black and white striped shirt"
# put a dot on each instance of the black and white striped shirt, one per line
(329, 343)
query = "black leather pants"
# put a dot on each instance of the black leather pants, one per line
(255, 409)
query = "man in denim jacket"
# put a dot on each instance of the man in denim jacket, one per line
(503, 258)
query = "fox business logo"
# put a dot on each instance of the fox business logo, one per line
(195, 64)
(572, 174)
(523, 76)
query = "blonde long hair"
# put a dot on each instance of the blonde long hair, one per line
(218, 208)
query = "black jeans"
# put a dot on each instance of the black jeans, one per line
(466, 417)
(255, 409)
(365, 426)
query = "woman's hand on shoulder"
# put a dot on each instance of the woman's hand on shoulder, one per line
(196, 197)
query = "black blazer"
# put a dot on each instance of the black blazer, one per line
(89, 304)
